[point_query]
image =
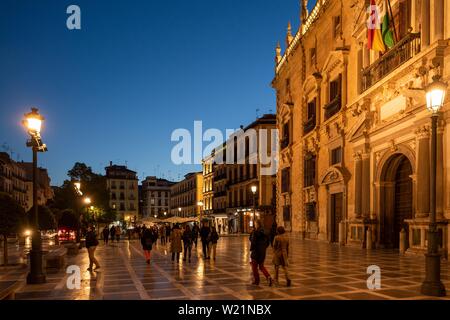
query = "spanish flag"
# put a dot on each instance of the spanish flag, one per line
(374, 34)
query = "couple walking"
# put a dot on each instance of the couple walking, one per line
(258, 247)
(209, 237)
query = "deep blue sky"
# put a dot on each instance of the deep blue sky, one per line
(137, 70)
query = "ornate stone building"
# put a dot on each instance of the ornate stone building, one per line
(354, 128)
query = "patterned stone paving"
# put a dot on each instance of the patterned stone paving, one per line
(318, 270)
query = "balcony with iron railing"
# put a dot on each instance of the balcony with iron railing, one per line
(333, 107)
(284, 143)
(401, 52)
(309, 125)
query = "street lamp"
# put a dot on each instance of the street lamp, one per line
(179, 211)
(200, 205)
(33, 124)
(254, 188)
(432, 285)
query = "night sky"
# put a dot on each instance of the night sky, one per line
(116, 89)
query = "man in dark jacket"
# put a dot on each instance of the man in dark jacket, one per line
(258, 246)
(105, 235)
(91, 245)
(147, 240)
(195, 231)
(112, 233)
(204, 233)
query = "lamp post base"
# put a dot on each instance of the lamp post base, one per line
(35, 276)
(432, 286)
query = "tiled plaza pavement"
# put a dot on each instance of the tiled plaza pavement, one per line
(319, 271)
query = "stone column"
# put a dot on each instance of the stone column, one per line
(423, 173)
(440, 174)
(437, 20)
(358, 185)
(365, 185)
(425, 23)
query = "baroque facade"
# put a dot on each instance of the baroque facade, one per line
(354, 128)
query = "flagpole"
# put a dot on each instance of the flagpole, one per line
(393, 22)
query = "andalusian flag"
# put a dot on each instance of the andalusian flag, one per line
(374, 35)
(388, 37)
(379, 33)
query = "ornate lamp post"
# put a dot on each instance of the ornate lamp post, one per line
(33, 123)
(432, 285)
(179, 212)
(254, 188)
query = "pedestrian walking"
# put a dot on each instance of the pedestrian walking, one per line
(91, 245)
(280, 254)
(112, 233)
(258, 246)
(105, 235)
(162, 234)
(187, 243)
(273, 232)
(175, 242)
(168, 231)
(118, 233)
(204, 233)
(195, 231)
(147, 240)
(212, 244)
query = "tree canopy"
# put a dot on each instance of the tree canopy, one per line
(12, 215)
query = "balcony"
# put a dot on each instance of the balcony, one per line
(220, 194)
(404, 50)
(333, 107)
(309, 125)
(284, 143)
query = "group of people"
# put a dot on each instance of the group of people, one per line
(259, 242)
(182, 240)
(112, 233)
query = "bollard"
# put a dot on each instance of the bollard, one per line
(342, 233)
(369, 239)
(402, 241)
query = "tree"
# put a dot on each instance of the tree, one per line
(12, 217)
(68, 219)
(46, 218)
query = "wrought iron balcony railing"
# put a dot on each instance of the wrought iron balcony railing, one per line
(401, 52)
(309, 125)
(333, 107)
(284, 142)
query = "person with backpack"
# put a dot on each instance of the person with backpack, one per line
(147, 240)
(212, 244)
(91, 245)
(259, 242)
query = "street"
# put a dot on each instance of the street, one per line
(318, 271)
